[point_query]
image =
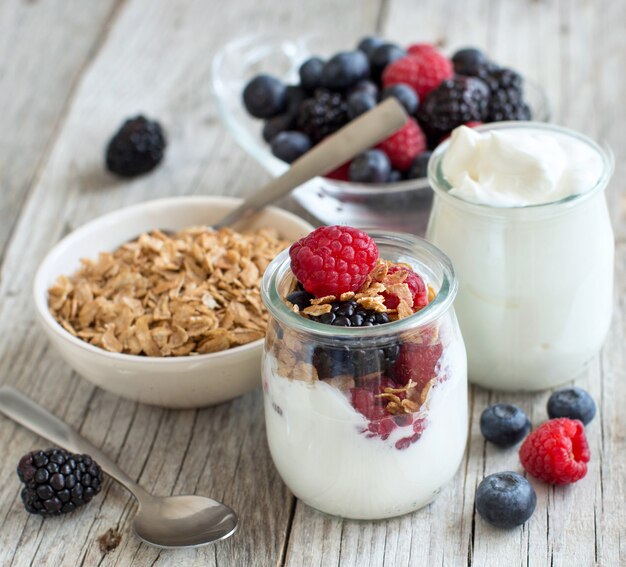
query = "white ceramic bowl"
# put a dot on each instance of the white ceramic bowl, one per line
(177, 382)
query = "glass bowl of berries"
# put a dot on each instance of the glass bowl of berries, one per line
(279, 96)
(364, 371)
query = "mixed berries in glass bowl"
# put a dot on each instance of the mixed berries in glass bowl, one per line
(280, 97)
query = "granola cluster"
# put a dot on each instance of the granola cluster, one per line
(193, 292)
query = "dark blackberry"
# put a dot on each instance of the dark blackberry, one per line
(322, 115)
(456, 101)
(136, 148)
(57, 482)
(506, 96)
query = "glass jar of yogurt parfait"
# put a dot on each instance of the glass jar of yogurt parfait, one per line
(366, 422)
(520, 210)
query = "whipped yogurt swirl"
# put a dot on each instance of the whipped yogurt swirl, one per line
(518, 167)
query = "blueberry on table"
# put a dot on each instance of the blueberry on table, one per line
(469, 61)
(505, 499)
(372, 166)
(359, 103)
(368, 44)
(504, 424)
(405, 95)
(419, 167)
(311, 73)
(344, 70)
(574, 403)
(265, 96)
(382, 56)
(289, 146)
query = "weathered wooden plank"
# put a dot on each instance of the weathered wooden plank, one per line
(44, 48)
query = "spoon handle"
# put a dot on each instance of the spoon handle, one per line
(32, 416)
(358, 136)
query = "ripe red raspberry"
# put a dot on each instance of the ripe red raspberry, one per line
(556, 452)
(340, 174)
(333, 260)
(416, 285)
(417, 362)
(424, 70)
(405, 145)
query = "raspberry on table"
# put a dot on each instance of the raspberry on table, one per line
(405, 145)
(136, 148)
(556, 452)
(57, 482)
(424, 69)
(333, 260)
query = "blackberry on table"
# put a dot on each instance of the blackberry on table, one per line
(57, 482)
(322, 115)
(456, 101)
(136, 148)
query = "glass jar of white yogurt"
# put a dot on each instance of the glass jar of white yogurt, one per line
(520, 210)
(336, 438)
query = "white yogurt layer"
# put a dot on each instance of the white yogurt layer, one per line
(316, 440)
(518, 167)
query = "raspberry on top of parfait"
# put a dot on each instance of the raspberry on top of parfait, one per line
(343, 281)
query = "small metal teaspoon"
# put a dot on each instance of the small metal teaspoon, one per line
(170, 521)
(356, 137)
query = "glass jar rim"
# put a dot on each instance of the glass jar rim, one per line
(441, 186)
(442, 302)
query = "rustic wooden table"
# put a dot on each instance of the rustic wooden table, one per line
(70, 71)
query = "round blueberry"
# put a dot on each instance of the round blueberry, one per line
(276, 125)
(300, 298)
(372, 166)
(382, 56)
(368, 44)
(405, 95)
(290, 145)
(504, 424)
(419, 167)
(365, 86)
(265, 96)
(311, 73)
(469, 61)
(505, 499)
(574, 403)
(344, 70)
(360, 102)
